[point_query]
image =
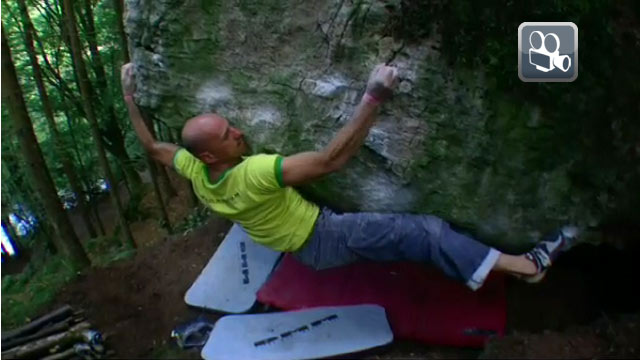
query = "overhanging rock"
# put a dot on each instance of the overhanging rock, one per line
(290, 74)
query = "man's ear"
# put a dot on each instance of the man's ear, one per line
(207, 157)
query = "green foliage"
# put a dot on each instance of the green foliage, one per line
(135, 211)
(105, 250)
(198, 217)
(57, 68)
(67, 104)
(26, 294)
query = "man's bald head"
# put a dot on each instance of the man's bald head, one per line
(211, 138)
(198, 132)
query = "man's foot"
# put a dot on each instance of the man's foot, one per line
(546, 251)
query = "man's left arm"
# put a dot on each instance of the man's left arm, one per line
(306, 166)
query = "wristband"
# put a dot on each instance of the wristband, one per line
(371, 99)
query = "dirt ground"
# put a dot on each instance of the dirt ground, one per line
(587, 307)
(138, 302)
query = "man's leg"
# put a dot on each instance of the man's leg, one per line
(515, 264)
(327, 246)
(421, 238)
(340, 239)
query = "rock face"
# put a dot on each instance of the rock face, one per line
(289, 73)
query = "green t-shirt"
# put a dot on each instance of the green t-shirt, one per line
(252, 194)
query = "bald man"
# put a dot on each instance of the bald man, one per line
(256, 191)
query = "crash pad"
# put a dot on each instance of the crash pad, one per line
(421, 303)
(304, 334)
(238, 268)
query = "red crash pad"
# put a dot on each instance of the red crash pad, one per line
(421, 303)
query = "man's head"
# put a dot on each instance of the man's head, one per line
(210, 138)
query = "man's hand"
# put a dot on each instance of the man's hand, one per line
(303, 167)
(381, 82)
(127, 79)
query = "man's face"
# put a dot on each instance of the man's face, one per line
(227, 141)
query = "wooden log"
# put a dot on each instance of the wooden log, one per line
(81, 349)
(41, 346)
(61, 355)
(77, 319)
(47, 319)
(49, 330)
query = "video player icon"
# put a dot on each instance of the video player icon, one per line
(544, 54)
(547, 51)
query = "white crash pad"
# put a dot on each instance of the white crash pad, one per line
(234, 274)
(303, 334)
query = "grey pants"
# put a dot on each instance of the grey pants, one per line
(340, 239)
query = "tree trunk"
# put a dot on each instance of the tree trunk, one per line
(156, 188)
(159, 132)
(119, 8)
(91, 202)
(113, 139)
(43, 228)
(166, 182)
(55, 79)
(164, 174)
(161, 170)
(74, 142)
(15, 164)
(113, 128)
(170, 137)
(61, 150)
(66, 239)
(85, 90)
(96, 213)
(153, 170)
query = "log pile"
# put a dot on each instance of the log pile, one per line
(60, 334)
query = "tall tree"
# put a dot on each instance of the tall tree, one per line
(67, 166)
(111, 124)
(68, 96)
(161, 170)
(66, 239)
(94, 204)
(83, 81)
(112, 136)
(153, 169)
(118, 5)
(17, 189)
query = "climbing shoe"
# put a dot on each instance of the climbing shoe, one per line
(546, 251)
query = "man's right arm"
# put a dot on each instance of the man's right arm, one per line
(160, 151)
